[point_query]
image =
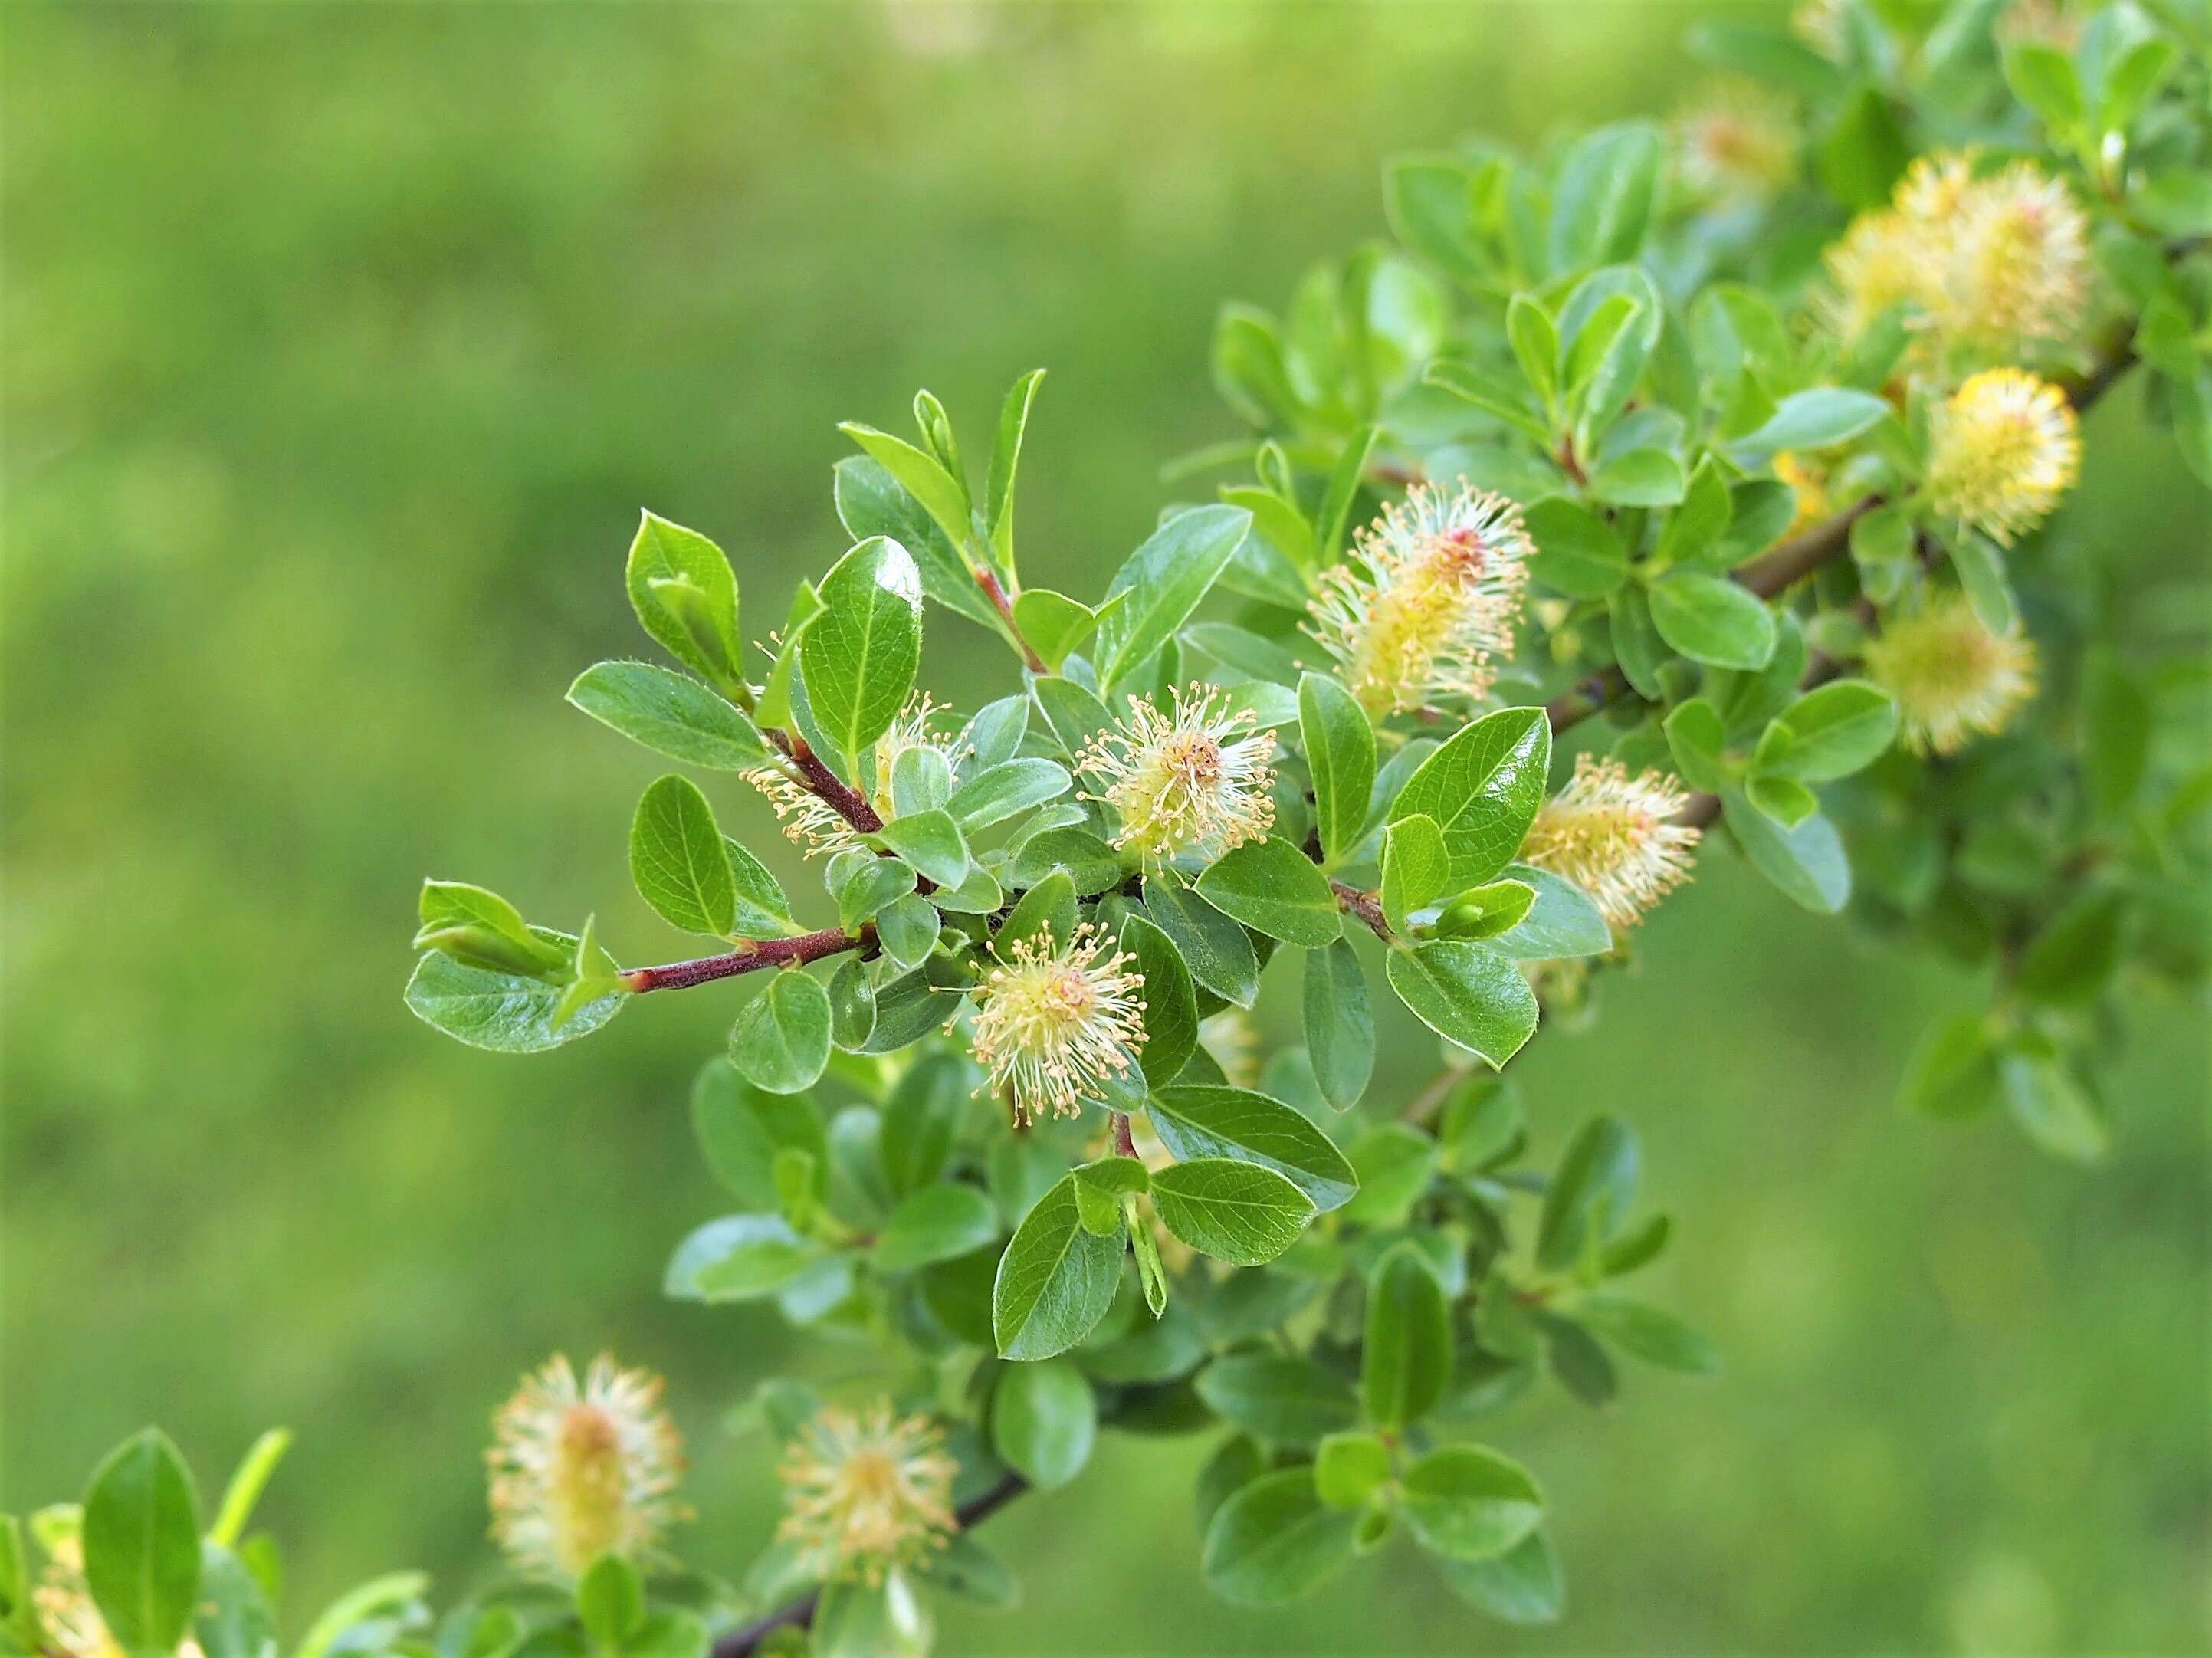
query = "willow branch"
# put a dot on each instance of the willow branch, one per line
(745, 1640)
(749, 957)
(825, 783)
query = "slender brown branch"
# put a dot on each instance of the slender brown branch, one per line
(989, 583)
(1362, 906)
(745, 1640)
(1584, 698)
(825, 783)
(749, 957)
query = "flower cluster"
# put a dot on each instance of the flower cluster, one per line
(1613, 836)
(1953, 678)
(1055, 1020)
(1737, 144)
(867, 1490)
(1437, 599)
(2004, 448)
(1993, 268)
(1194, 779)
(584, 1468)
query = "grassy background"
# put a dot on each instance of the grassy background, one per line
(342, 345)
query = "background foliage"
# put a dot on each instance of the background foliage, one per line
(339, 347)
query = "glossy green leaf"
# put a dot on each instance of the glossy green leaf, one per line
(1164, 579)
(1340, 746)
(1233, 1211)
(1208, 1121)
(781, 1041)
(1216, 949)
(1054, 1281)
(1842, 727)
(1170, 1001)
(737, 1258)
(1482, 789)
(860, 654)
(1577, 554)
(1807, 862)
(1416, 869)
(1589, 1193)
(1710, 619)
(1469, 993)
(932, 843)
(685, 597)
(504, 1013)
(1470, 1503)
(871, 502)
(671, 713)
(679, 861)
(1273, 888)
(1004, 791)
(1562, 921)
(141, 1540)
(1648, 1331)
(1524, 1585)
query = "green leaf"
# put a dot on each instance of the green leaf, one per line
(871, 502)
(1170, 1001)
(2129, 79)
(921, 1119)
(1577, 554)
(1818, 419)
(1205, 1120)
(1601, 205)
(1004, 791)
(1274, 1540)
(610, 1600)
(1710, 619)
(685, 597)
(1636, 1327)
(2049, 1104)
(1979, 564)
(1563, 921)
(1807, 862)
(1416, 869)
(1470, 1503)
(932, 843)
(1005, 460)
(1486, 911)
(1408, 1363)
(1044, 1420)
(2043, 77)
(247, 1481)
(481, 928)
(781, 1041)
(737, 1258)
(1053, 623)
(1534, 338)
(1842, 727)
(1589, 1193)
(1494, 393)
(1234, 1211)
(866, 886)
(1277, 1398)
(1954, 1071)
(1049, 907)
(1164, 579)
(858, 656)
(1639, 477)
(1468, 993)
(1075, 714)
(1088, 861)
(671, 713)
(1339, 746)
(1216, 951)
(936, 1223)
(1274, 889)
(503, 1012)
(1787, 802)
(1340, 1029)
(1349, 1468)
(231, 1615)
(679, 861)
(141, 1537)
(856, 1619)
(942, 495)
(1637, 645)
(1483, 789)
(1524, 1585)
(1394, 1161)
(1696, 739)
(1054, 1281)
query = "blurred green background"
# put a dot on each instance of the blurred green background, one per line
(342, 344)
